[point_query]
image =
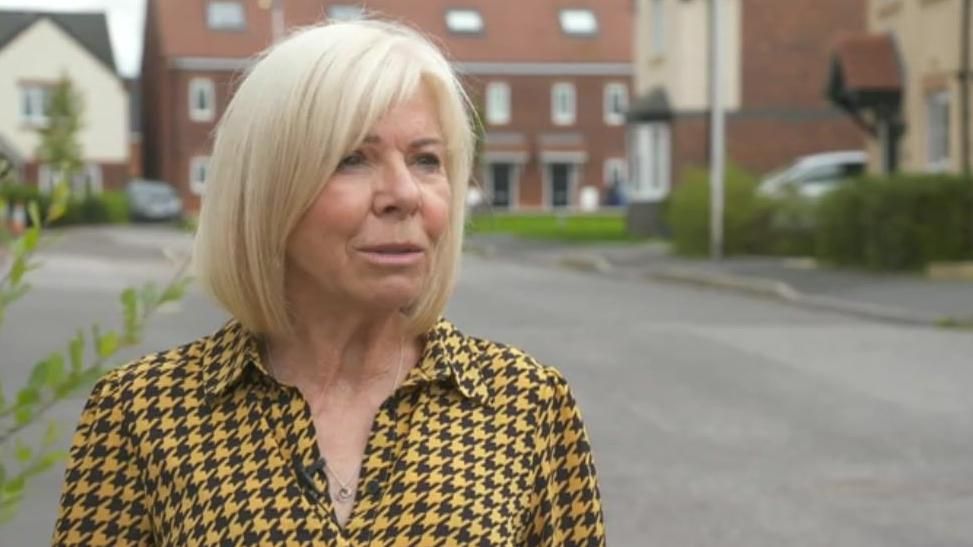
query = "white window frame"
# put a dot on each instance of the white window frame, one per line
(464, 21)
(570, 19)
(615, 90)
(88, 181)
(657, 34)
(34, 103)
(221, 21)
(937, 131)
(567, 116)
(514, 190)
(574, 174)
(346, 12)
(498, 104)
(198, 165)
(651, 169)
(208, 88)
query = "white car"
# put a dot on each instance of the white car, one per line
(815, 175)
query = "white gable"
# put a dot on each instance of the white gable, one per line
(42, 54)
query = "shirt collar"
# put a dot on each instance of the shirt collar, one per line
(448, 356)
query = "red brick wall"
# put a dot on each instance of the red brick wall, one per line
(530, 116)
(784, 113)
(787, 47)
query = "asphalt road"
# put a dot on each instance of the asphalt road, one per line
(716, 419)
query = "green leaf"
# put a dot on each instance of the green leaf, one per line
(54, 373)
(56, 210)
(14, 488)
(34, 213)
(22, 452)
(107, 344)
(13, 295)
(18, 269)
(175, 291)
(27, 396)
(130, 313)
(51, 434)
(23, 415)
(31, 237)
(76, 351)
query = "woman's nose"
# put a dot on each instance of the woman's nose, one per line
(399, 192)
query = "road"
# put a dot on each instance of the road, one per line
(716, 419)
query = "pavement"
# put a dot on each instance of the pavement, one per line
(716, 418)
(897, 298)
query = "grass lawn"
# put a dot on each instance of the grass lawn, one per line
(582, 228)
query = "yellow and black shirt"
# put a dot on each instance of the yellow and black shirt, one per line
(480, 445)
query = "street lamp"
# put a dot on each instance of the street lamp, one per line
(717, 130)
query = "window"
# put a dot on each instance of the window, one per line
(658, 18)
(498, 103)
(616, 103)
(198, 173)
(202, 100)
(937, 130)
(345, 12)
(562, 104)
(34, 103)
(86, 182)
(226, 16)
(649, 152)
(464, 21)
(579, 22)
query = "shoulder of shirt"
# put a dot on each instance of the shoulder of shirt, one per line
(174, 366)
(512, 373)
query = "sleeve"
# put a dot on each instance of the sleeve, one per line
(567, 504)
(102, 501)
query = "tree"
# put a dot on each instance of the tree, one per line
(59, 147)
(71, 366)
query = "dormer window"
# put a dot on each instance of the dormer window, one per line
(579, 22)
(464, 21)
(346, 12)
(225, 16)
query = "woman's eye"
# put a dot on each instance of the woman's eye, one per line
(351, 161)
(429, 161)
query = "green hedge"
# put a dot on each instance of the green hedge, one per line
(110, 207)
(897, 223)
(746, 214)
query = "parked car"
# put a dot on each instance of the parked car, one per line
(153, 200)
(815, 175)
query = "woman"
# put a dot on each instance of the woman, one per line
(336, 408)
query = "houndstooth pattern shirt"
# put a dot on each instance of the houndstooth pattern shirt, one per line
(198, 445)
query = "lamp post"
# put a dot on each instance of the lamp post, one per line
(717, 130)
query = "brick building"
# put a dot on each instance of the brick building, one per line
(777, 61)
(37, 50)
(552, 82)
(903, 80)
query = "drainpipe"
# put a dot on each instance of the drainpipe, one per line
(964, 87)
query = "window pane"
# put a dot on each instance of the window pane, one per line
(578, 22)
(498, 103)
(345, 12)
(225, 15)
(464, 21)
(937, 114)
(658, 26)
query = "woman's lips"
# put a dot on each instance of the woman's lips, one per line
(393, 254)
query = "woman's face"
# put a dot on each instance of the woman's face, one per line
(368, 240)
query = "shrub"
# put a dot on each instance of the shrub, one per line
(897, 223)
(746, 214)
(107, 207)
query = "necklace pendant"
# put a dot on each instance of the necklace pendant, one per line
(344, 494)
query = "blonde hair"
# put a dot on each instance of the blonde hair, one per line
(303, 105)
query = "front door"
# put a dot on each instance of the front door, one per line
(560, 185)
(501, 175)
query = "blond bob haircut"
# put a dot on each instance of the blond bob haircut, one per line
(307, 102)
